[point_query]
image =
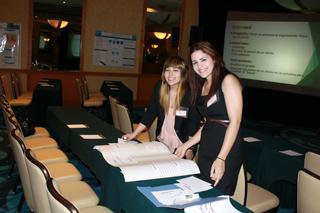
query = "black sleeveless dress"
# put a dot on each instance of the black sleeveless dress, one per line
(211, 141)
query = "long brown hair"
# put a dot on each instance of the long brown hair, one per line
(176, 62)
(218, 71)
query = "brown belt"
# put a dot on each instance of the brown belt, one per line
(212, 120)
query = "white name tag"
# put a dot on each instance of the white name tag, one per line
(182, 112)
(212, 100)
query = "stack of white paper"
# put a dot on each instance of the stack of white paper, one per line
(146, 161)
(251, 139)
(77, 126)
(92, 136)
(290, 152)
(193, 184)
(220, 205)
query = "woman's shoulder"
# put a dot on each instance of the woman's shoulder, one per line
(230, 80)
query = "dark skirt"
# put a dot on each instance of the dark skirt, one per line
(211, 141)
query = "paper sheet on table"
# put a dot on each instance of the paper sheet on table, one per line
(77, 126)
(291, 153)
(94, 136)
(193, 184)
(251, 139)
(114, 88)
(150, 192)
(174, 197)
(44, 84)
(218, 206)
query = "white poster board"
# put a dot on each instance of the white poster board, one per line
(114, 50)
(9, 45)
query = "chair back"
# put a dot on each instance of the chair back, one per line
(7, 87)
(15, 84)
(308, 192)
(152, 130)
(80, 90)
(85, 87)
(38, 178)
(14, 124)
(6, 112)
(114, 112)
(312, 162)
(19, 149)
(124, 119)
(240, 193)
(57, 202)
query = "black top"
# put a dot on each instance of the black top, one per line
(184, 126)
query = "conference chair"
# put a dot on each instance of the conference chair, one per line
(312, 162)
(254, 197)
(126, 125)
(152, 130)
(79, 192)
(39, 131)
(60, 204)
(308, 192)
(18, 149)
(9, 92)
(16, 85)
(308, 184)
(45, 149)
(35, 142)
(114, 112)
(86, 101)
(60, 170)
(94, 95)
(32, 141)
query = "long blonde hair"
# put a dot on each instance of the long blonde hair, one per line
(176, 62)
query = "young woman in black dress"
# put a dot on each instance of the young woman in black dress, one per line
(220, 103)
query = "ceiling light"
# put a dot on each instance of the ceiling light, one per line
(59, 24)
(151, 10)
(161, 35)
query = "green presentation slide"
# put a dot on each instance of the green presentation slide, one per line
(282, 52)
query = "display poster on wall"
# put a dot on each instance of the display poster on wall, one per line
(9, 45)
(114, 50)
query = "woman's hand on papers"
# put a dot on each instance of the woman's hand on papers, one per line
(181, 151)
(128, 137)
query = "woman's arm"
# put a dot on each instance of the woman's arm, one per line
(232, 91)
(181, 150)
(134, 134)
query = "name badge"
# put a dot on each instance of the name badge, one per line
(182, 112)
(212, 100)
